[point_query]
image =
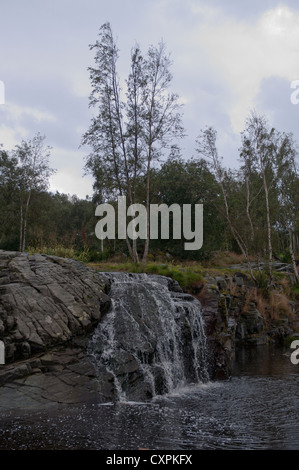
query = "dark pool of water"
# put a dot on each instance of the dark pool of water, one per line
(257, 409)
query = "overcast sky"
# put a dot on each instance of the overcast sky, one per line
(229, 56)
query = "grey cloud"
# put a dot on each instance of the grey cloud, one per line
(248, 10)
(44, 50)
(274, 100)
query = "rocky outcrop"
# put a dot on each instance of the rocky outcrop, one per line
(251, 327)
(46, 301)
(232, 321)
(63, 375)
(50, 306)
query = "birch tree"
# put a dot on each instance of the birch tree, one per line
(288, 182)
(263, 141)
(269, 170)
(207, 148)
(161, 115)
(9, 196)
(129, 131)
(33, 161)
(108, 160)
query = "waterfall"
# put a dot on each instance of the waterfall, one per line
(152, 340)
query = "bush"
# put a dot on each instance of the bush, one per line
(189, 277)
(57, 250)
(85, 255)
(286, 257)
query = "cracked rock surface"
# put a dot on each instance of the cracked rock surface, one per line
(63, 376)
(48, 308)
(45, 301)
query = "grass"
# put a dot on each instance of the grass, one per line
(189, 277)
(225, 258)
(295, 290)
(61, 251)
(274, 306)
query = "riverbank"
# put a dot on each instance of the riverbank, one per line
(256, 410)
(50, 307)
(237, 311)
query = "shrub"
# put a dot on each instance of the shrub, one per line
(85, 255)
(57, 250)
(272, 306)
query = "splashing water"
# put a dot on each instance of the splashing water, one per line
(151, 342)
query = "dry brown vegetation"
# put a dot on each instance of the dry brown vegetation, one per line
(272, 306)
(225, 258)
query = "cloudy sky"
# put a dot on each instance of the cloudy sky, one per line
(229, 56)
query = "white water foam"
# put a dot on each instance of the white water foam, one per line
(163, 331)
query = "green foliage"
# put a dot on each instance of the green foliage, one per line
(52, 220)
(286, 256)
(85, 255)
(252, 212)
(180, 181)
(295, 289)
(58, 250)
(189, 277)
(262, 280)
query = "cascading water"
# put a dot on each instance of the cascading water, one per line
(151, 342)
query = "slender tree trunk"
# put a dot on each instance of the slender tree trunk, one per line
(209, 150)
(150, 144)
(248, 209)
(235, 234)
(146, 247)
(21, 229)
(133, 252)
(116, 172)
(269, 230)
(237, 237)
(150, 150)
(259, 265)
(291, 245)
(25, 222)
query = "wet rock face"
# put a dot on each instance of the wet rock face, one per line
(49, 308)
(46, 301)
(251, 327)
(151, 341)
(231, 322)
(62, 376)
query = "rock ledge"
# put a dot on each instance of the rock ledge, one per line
(46, 301)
